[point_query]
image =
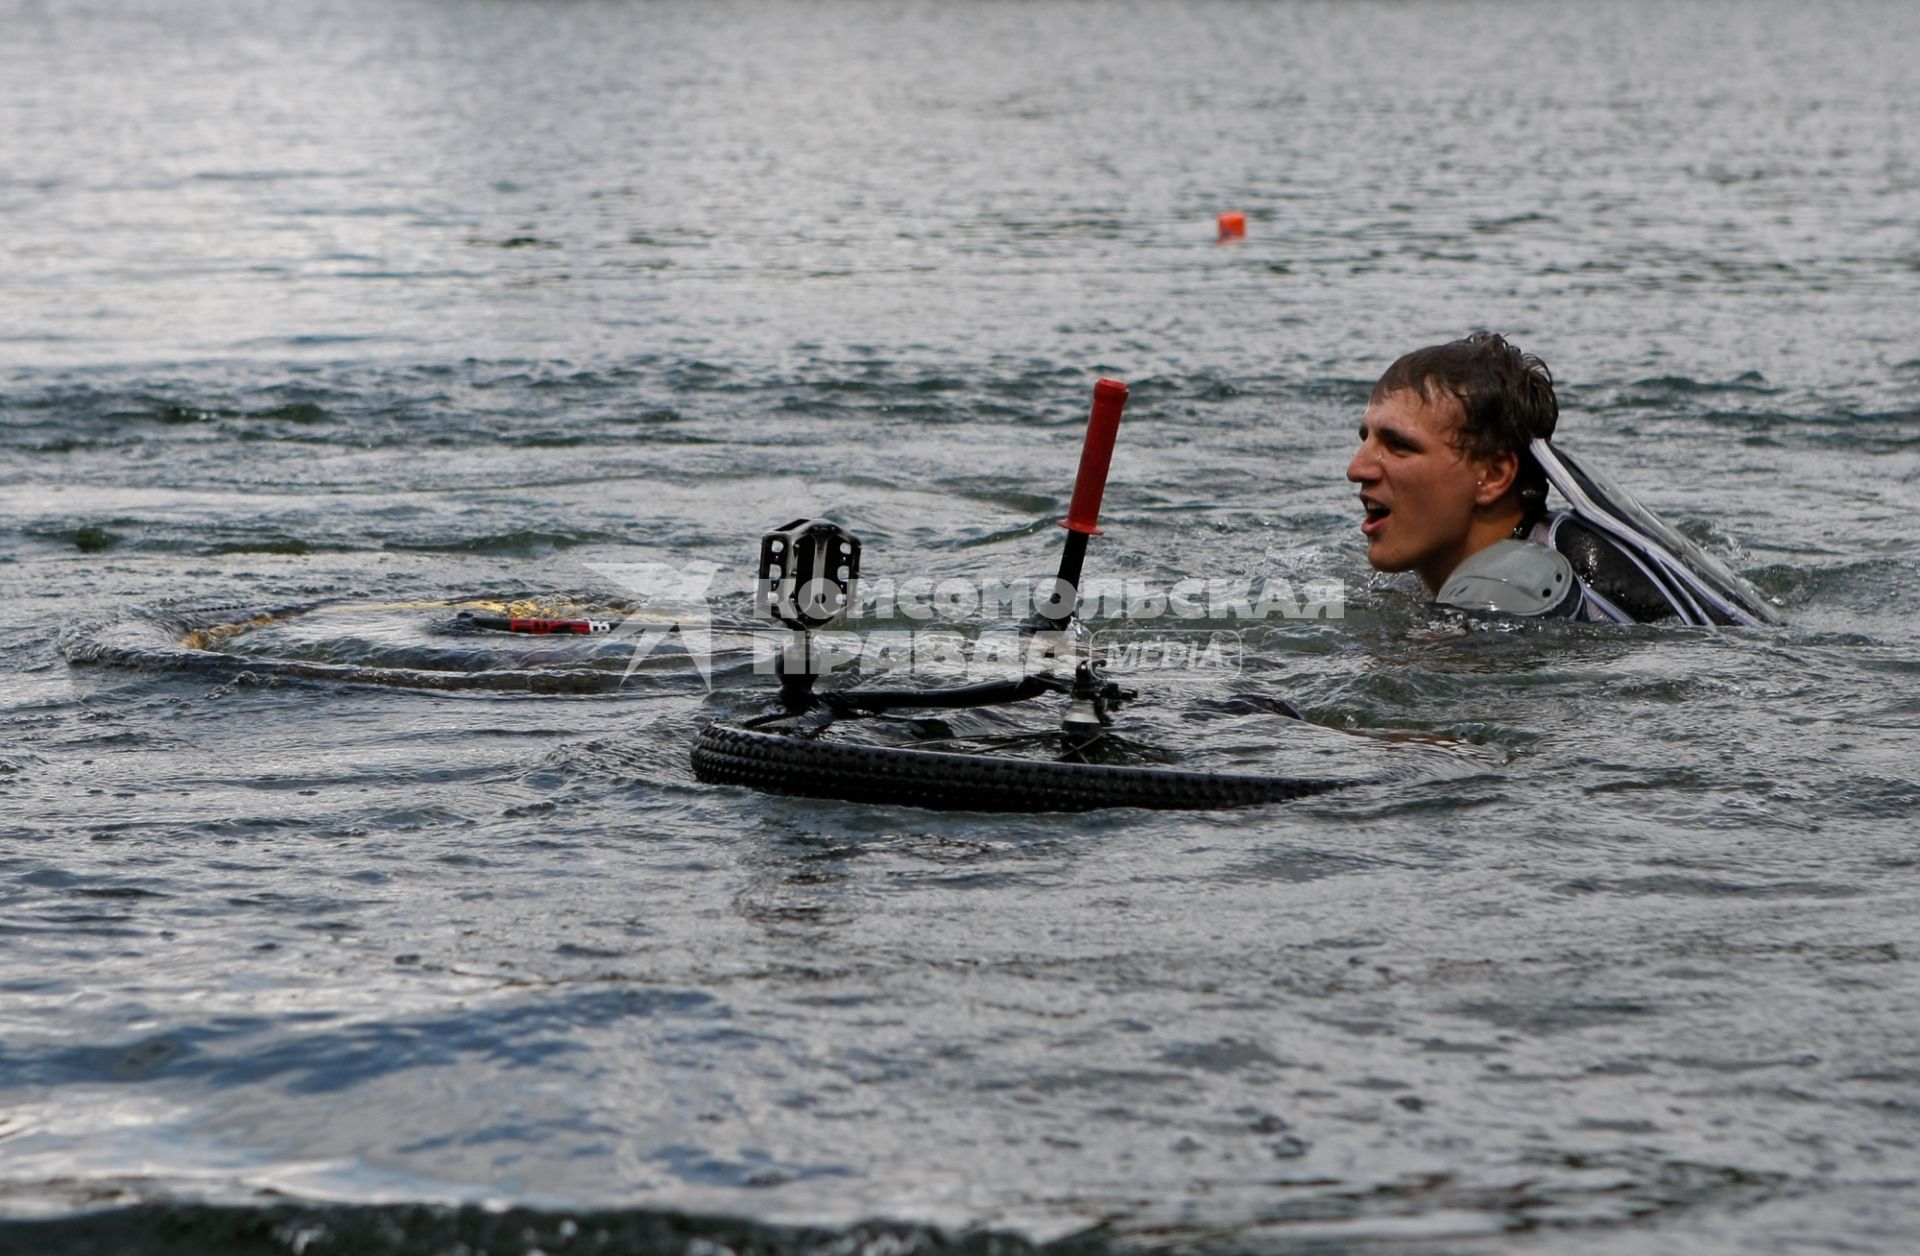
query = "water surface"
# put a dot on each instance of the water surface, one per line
(316, 323)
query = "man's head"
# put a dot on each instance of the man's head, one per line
(1443, 466)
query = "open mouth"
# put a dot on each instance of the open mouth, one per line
(1376, 517)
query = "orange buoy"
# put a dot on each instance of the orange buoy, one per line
(1233, 226)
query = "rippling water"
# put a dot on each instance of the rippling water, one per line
(320, 322)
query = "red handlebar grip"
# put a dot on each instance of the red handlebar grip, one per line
(548, 627)
(1109, 398)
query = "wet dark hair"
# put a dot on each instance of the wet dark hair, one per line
(1506, 396)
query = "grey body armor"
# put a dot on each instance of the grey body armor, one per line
(1515, 578)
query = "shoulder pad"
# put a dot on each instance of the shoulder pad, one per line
(1513, 578)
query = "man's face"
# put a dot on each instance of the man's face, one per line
(1416, 488)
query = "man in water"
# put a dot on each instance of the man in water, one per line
(1453, 467)
(1443, 467)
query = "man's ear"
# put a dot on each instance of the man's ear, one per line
(1497, 473)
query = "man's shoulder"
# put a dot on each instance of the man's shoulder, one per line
(1514, 577)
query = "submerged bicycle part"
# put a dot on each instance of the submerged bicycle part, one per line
(812, 766)
(808, 572)
(1095, 699)
(1083, 512)
(806, 579)
(1093, 696)
(807, 576)
(533, 626)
